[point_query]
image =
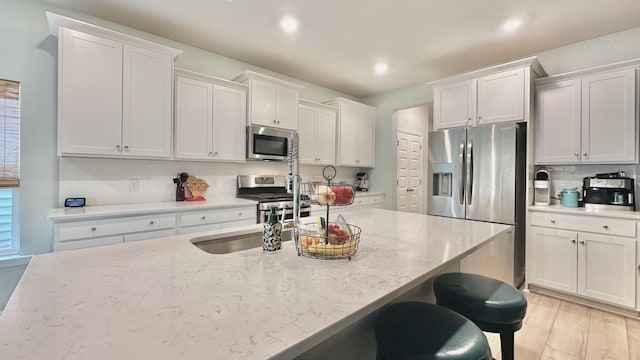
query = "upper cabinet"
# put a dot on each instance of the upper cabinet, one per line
(210, 118)
(587, 117)
(493, 95)
(356, 133)
(114, 93)
(317, 131)
(271, 102)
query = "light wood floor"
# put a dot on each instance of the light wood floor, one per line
(561, 330)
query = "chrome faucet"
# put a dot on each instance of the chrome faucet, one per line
(293, 179)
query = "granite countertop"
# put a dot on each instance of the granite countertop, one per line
(632, 215)
(88, 212)
(167, 299)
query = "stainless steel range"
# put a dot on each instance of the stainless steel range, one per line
(268, 191)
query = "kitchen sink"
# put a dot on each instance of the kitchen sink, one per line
(232, 241)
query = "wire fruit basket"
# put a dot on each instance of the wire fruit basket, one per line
(324, 240)
(337, 241)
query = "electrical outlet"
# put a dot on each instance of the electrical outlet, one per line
(134, 185)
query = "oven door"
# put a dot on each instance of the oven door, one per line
(264, 143)
(263, 215)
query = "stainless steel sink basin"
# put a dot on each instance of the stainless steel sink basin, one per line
(232, 241)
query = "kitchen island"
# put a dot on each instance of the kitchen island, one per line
(167, 299)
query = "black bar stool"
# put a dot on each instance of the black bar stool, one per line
(418, 330)
(491, 304)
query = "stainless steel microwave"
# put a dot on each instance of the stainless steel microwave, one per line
(266, 143)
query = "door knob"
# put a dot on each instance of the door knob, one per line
(573, 241)
(582, 242)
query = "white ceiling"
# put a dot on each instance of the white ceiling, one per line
(339, 41)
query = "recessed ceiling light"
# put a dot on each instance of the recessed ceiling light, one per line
(289, 24)
(381, 68)
(511, 25)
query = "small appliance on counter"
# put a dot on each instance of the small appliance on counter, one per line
(609, 191)
(569, 197)
(542, 187)
(362, 182)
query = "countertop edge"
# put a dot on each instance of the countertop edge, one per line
(631, 215)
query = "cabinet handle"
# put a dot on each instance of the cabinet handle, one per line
(274, 121)
(118, 147)
(126, 147)
(239, 214)
(93, 228)
(151, 222)
(210, 153)
(479, 117)
(204, 217)
(573, 241)
(584, 154)
(215, 153)
(553, 221)
(581, 242)
(576, 154)
(468, 119)
(605, 226)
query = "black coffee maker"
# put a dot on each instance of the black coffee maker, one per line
(609, 191)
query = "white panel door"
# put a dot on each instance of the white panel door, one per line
(454, 105)
(609, 117)
(326, 137)
(307, 135)
(554, 258)
(501, 97)
(194, 126)
(263, 103)
(409, 160)
(229, 119)
(607, 268)
(287, 108)
(90, 90)
(147, 103)
(558, 119)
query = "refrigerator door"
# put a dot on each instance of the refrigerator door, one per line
(446, 173)
(491, 173)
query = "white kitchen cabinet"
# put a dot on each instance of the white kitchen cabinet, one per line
(598, 263)
(271, 102)
(111, 230)
(210, 118)
(455, 105)
(356, 133)
(122, 110)
(317, 132)
(587, 119)
(215, 219)
(494, 95)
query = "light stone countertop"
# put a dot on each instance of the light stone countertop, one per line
(167, 299)
(632, 215)
(90, 212)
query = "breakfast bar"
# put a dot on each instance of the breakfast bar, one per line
(167, 299)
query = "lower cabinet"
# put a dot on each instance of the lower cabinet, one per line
(116, 229)
(599, 266)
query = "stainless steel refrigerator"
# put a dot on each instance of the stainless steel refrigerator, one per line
(478, 173)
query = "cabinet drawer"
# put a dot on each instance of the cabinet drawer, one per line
(600, 225)
(89, 229)
(85, 243)
(218, 216)
(200, 228)
(149, 235)
(370, 201)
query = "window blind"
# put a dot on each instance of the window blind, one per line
(9, 133)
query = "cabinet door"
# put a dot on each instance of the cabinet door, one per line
(607, 268)
(357, 132)
(554, 258)
(307, 134)
(454, 105)
(90, 95)
(608, 117)
(194, 109)
(501, 97)
(557, 137)
(263, 103)
(287, 108)
(229, 119)
(147, 103)
(326, 137)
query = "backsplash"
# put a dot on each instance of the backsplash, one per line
(572, 175)
(120, 181)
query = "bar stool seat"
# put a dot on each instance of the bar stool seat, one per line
(422, 331)
(491, 304)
